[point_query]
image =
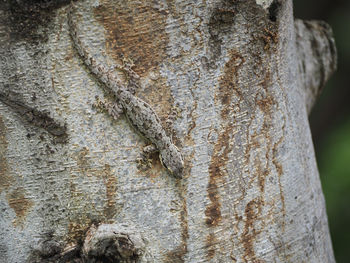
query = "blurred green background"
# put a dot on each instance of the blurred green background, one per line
(330, 122)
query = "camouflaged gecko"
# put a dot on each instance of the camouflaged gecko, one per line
(140, 114)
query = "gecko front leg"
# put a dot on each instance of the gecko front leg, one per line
(140, 114)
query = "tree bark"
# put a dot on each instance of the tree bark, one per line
(237, 80)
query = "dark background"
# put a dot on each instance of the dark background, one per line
(330, 122)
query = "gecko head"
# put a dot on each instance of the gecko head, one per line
(172, 160)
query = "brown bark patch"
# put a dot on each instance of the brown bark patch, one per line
(110, 182)
(266, 104)
(252, 212)
(193, 118)
(134, 30)
(220, 156)
(269, 37)
(216, 173)
(176, 255)
(20, 204)
(82, 160)
(228, 83)
(262, 174)
(210, 244)
(5, 179)
(223, 146)
(279, 169)
(184, 228)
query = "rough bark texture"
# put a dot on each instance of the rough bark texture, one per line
(242, 78)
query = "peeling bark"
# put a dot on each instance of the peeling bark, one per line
(236, 79)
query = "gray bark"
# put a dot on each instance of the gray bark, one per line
(242, 77)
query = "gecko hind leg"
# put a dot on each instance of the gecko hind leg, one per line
(145, 162)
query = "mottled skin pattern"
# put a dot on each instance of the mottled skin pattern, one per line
(140, 114)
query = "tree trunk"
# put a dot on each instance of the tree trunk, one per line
(232, 83)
